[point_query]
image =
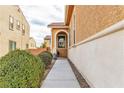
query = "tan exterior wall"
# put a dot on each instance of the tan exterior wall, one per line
(53, 39)
(93, 19)
(99, 58)
(71, 31)
(15, 35)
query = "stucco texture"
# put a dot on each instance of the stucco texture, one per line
(92, 19)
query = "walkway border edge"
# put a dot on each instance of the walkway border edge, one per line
(86, 79)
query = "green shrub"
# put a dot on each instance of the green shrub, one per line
(20, 69)
(46, 57)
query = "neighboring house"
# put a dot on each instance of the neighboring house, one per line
(32, 43)
(14, 29)
(47, 41)
(95, 36)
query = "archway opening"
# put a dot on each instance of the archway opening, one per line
(61, 44)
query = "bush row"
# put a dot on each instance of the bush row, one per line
(46, 58)
(20, 69)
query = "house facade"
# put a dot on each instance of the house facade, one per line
(32, 43)
(95, 42)
(14, 29)
(47, 41)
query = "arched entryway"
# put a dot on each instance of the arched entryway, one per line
(62, 43)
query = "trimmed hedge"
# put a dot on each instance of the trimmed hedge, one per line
(20, 69)
(46, 57)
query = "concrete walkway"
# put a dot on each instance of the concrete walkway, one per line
(61, 76)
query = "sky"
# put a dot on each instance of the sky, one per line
(39, 17)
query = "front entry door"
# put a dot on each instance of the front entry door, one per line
(62, 45)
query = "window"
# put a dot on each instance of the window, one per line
(18, 25)
(12, 45)
(23, 29)
(69, 38)
(61, 42)
(11, 22)
(74, 24)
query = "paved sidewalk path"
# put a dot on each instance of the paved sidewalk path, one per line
(61, 76)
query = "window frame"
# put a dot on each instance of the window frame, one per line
(18, 26)
(23, 29)
(11, 24)
(69, 37)
(13, 47)
(74, 29)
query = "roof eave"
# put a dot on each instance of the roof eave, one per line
(68, 12)
(53, 26)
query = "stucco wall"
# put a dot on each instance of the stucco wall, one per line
(92, 19)
(101, 61)
(15, 35)
(71, 31)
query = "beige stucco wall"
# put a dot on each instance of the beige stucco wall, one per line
(32, 43)
(71, 30)
(15, 35)
(92, 19)
(101, 61)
